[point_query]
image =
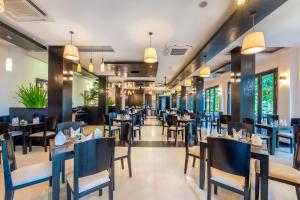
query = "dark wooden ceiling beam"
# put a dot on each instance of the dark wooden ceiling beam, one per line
(19, 39)
(237, 24)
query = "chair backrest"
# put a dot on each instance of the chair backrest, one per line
(4, 127)
(5, 118)
(229, 155)
(174, 120)
(271, 118)
(65, 126)
(234, 125)
(113, 114)
(92, 156)
(225, 119)
(296, 131)
(9, 160)
(191, 134)
(107, 120)
(51, 123)
(295, 121)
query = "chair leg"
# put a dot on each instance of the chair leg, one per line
(215, 189)
(256, 186)
(140, 137)
(30, 144)
(122, 163)
(163, 129)
(291, 145)
(277, 141)
(186, 163)
(194, 161)
(9, 195)
(208, 190)
(129, 166)
(110, 191)
(45, 144)
(175, 135)
(297, 192)
(68, 192)
(100, 192)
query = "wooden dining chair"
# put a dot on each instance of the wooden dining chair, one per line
(192, 148)
(223, 122)
(124, 150)
(108, 126)
(164, 122)
(228, 166)
(93, 168)
(288, 135)
(174, 128)
(282, 173)
(46, 134)
(18, 178)
(214, 121)
(136, 125)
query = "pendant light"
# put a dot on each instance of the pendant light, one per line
(8, 61)
(78, 68)
(253, 42)
(2, 8)
(205, 70)
(150, 55)
(188, 83)
(102, 66)
(71, 51)
(91, 67)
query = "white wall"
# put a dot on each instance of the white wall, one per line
(25, 70)
(289, 93)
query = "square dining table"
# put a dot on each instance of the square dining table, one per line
(257, 152)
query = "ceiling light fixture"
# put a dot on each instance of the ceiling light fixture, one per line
(188, 83)
(150, 55)
(102, 66)
(91, 67)
(241, 2)
(8, 61)
(71, 52)
(205, 70)
(2, 8)
(253, 42)
(78, 68)
(178, 88)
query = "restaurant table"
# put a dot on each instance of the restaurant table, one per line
(257, 152)
(271, 132)
(25, 129)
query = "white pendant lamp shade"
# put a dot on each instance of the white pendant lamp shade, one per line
(253, 43)
(9, 64)
(91, 67)
(150, 55)
(71, 52)
(205, 71)
(188, 83)
(2, 9)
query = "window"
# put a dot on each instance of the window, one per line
(265, 94)
(212, 99)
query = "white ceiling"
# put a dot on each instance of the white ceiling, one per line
(124, 25)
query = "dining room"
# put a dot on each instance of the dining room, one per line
(150, 99)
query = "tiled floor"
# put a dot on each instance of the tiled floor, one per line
(157, 175)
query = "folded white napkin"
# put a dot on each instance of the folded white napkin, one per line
(88, 137)
(237, 134)
(36, 120)
(60, 138)
(74, 132)
(98, 133)
(15, 121)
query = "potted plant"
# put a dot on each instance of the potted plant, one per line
(110, 104)
(34, 100)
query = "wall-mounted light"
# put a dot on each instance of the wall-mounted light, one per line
(8, 64)
(235, 77)
(282, 80)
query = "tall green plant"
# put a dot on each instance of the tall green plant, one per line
(32, 96)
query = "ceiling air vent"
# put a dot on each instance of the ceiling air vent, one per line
(24, 11)
(177, 50)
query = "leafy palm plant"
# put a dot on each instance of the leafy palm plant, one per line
(32, 96)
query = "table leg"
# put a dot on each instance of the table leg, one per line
(24, 143)
(202, 166)
(55, 178)
(272, 135)
(264, 169)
